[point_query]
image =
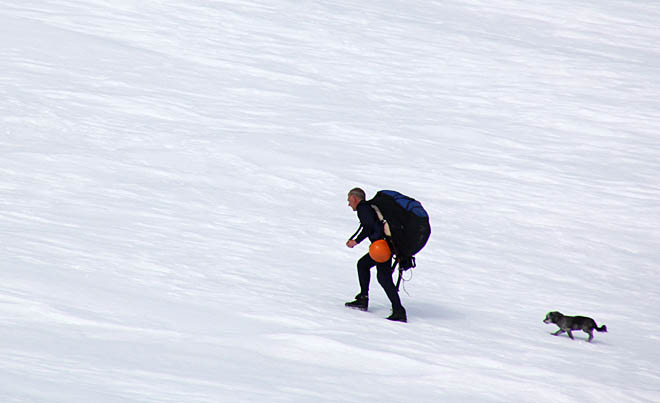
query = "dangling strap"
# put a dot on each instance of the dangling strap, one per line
(403, 280)
(398, 282)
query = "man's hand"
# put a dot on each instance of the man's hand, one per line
(351, 243)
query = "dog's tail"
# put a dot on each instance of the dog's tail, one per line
(602, 328)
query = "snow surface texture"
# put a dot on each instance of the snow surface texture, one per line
(173, 179)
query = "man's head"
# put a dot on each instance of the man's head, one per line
(355, 196)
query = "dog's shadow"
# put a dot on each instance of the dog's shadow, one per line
(579, 338)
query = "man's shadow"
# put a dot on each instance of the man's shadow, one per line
(425, 310)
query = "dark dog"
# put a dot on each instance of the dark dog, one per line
(568, 323)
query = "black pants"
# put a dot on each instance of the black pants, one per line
(383, 273)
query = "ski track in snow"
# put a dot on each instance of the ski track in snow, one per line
(173, 214)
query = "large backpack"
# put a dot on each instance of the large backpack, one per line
(406, 224)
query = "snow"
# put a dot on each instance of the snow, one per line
(173, 179)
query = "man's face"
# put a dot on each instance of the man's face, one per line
(353, 202)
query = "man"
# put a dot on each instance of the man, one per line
(372, 228)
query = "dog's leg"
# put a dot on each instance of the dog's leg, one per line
(557, 333)
(591, 335)
(570, 334)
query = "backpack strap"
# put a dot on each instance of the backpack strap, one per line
(381, 218)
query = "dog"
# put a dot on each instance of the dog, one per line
(568, 323)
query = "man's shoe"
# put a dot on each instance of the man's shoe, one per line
(361, 302)
(398, 315)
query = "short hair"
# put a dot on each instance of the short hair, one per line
(357, 192)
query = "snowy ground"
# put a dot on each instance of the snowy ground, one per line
(173, 179)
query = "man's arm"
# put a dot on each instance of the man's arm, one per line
(369, 221)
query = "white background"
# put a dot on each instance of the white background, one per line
(173, 215)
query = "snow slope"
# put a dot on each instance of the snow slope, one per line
(173, 212)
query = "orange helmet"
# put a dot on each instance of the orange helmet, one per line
(380, 251)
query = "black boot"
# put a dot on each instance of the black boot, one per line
(398, 315)
(361, 302)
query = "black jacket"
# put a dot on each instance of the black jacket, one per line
(371, 226)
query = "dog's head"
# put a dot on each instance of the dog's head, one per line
(552, 317)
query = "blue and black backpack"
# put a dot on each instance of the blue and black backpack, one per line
(408, 222)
